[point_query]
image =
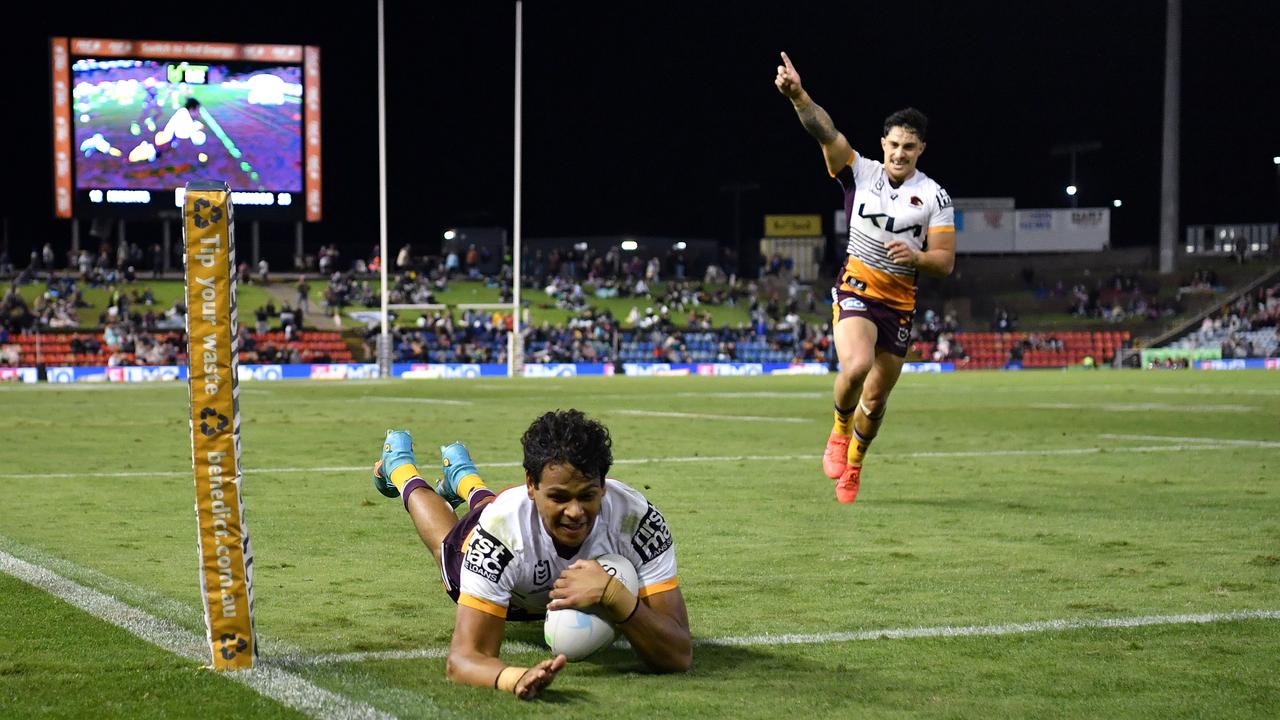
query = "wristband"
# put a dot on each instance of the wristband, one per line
(509, 678)
(633, 612)
(608, 599)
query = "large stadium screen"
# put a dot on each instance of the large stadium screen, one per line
(135, 120)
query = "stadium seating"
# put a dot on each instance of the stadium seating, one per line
(54, 349)
(992, 350)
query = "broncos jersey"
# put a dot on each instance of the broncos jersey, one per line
(879, 212)
(510, 560)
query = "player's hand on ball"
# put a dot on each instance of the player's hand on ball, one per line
(788, 80)
(538, 677)
(579, 586)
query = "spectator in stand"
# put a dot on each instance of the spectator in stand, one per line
(451, 264)
(260, 320)
(287, 323)
(1015, 354)
(304, 293)
(1004, 321)
(472, 262)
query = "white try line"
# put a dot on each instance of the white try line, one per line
(948, 631)
(704, 416)
(428, 401)
(276, 683)
(770, 640)
(1184, 445)
(1209, 391)
(1143, 407)
(1237, 442)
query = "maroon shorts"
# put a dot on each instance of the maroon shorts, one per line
(451, 562)
(893, 327)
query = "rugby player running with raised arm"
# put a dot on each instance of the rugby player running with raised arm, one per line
(900, 223)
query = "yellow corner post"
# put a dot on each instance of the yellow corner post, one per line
(226, 556)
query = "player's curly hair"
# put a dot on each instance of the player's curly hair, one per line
(567, 436)
(908, 119)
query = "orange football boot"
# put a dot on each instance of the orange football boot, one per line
(836, 457)
(847, 485)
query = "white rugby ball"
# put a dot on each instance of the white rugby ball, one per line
(577, 634)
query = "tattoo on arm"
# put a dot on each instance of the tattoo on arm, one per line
(817, 122)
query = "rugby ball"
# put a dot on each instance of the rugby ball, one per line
(577, 634)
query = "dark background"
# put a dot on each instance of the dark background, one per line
(638, 114)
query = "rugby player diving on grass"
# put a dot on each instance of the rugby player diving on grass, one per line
(529, 549)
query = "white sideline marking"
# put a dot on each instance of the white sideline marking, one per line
(1196, 444)
(1066, 451)
(1214, 441)
(1143, 407)
(760, 394)
(946, 631)
(276, 683)
(434, 401)
(704, 416)
(1210, 391)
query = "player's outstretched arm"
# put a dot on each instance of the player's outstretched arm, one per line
(473, 657)
(657, 626)
(835, 148)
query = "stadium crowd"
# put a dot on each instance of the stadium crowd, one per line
(1246, 327)
(669, 321)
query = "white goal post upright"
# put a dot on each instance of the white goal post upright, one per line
(384, 352)
(515, 344)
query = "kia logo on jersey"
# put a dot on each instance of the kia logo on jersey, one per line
(888, 222)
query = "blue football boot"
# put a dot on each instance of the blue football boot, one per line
(397, 450)
(457, 465)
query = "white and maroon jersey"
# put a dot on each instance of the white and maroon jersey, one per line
(879, 212)
(509, 560)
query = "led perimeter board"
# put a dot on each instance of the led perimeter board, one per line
(135, 120)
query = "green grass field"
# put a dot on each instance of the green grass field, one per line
(1002, 505)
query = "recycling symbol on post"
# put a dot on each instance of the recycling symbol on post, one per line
(232, 645)
(211, 430)
(215, 213)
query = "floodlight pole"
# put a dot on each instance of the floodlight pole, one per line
(1071, 150)
(515, 345)
(384, 338)
(1172, 109)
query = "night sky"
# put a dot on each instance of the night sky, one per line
(637, 115)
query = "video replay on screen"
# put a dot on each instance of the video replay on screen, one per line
(147, 117)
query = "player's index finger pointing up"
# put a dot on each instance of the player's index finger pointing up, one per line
(787, 61)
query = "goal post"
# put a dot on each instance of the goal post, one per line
(515, 348)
